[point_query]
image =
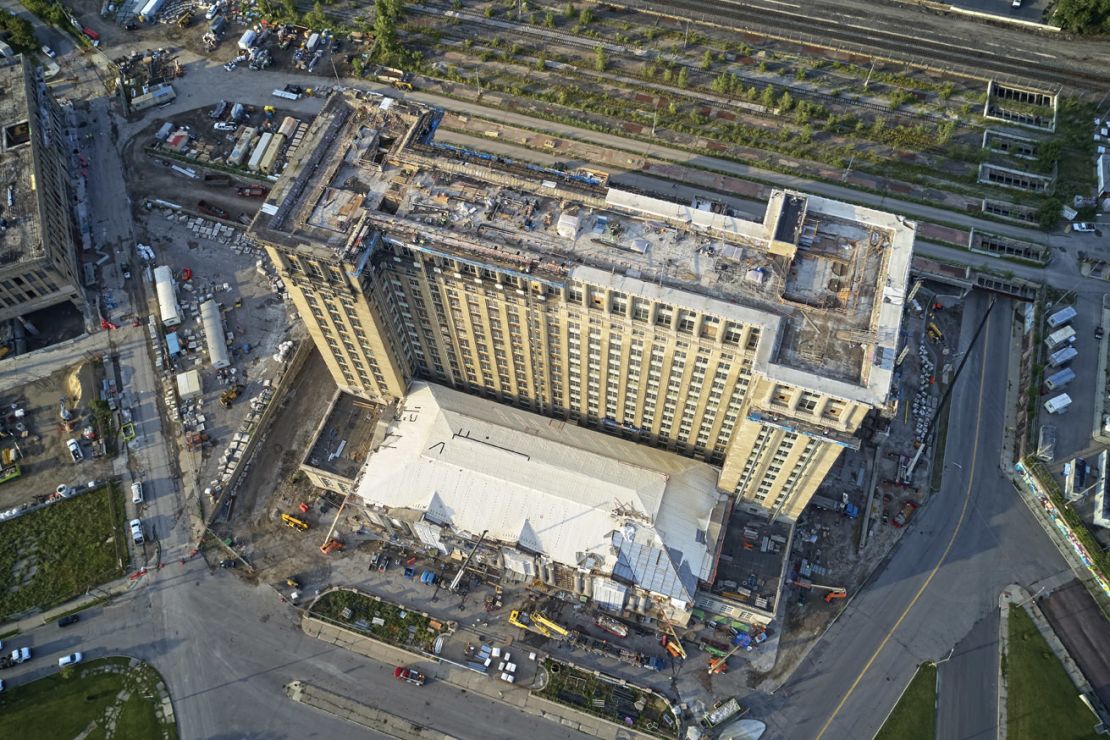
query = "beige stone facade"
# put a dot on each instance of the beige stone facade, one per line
(662, 363)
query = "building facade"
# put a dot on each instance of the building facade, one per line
(756, 346)
(38, 262)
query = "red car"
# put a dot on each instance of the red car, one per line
(903, 516)
(409, 675)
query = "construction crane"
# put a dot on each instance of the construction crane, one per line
(670, 637)
(716, 665)
(834, 592)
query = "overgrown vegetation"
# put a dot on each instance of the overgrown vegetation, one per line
(914, 716)
(61, 551)
(1083, 16)
(625, 704)
(72, 702)
(21, 36)
(381, 620)
(1041, 700)
(1099, 557)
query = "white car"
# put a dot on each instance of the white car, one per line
(21, 655)
(137, 531)
(49, 52)
(71, 659)
(222, 126)
(137, 492)
(75, 450)
(1083, 228)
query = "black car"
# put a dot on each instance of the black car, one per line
(68, 620)
(229, 563)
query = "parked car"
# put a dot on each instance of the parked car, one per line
(1083, 228)
(49, 52)
(137, 531)
(137, 492)
(68, 620)
(71, 659)
(229, 563)
(1099, 332)
(125, 268)
(21, 655)
(904, 514)
(75, 452)
(409, 675)
(224, 126)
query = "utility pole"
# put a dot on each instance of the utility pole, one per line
(868, 80)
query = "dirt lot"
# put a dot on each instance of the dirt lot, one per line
(255, 320)
(44, 460)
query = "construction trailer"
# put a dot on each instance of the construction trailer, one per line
(167, 296)
(213, 325)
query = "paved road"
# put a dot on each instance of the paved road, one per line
(970, 541)
(967, 681)
(1076, 618)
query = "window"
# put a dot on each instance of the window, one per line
(663, 315)
(781, 396)
(808, 402)
(733, 333)
(686, 320)
(641, 310)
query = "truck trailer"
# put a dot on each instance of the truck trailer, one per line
(1058, 404)
(1061, 318)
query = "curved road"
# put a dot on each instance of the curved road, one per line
(971, 540)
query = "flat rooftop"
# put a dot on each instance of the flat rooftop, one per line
(825, 279)
(751, 564)
(345, 436)
(19, 218)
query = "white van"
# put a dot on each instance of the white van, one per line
(137, 492)
(137, 531)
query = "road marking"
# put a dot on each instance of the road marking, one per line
(940, 562)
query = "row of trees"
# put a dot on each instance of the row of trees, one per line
(1083, 16)
(20, 35)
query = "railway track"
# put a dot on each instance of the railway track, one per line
(873, 42)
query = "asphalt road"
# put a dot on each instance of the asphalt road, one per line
(971, 540)
(966, 681)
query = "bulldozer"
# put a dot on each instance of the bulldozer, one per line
(228, 396)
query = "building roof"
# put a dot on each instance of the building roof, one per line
(828, 277)
(20, 235)
(579, 497)
(1103, 175)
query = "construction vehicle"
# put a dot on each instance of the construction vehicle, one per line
(539, 624)
(294, 522)
(331, 546)
(292, 582)
(670, 639)
(208, 209)
(252, 191)
(228, 396)
(834, 592)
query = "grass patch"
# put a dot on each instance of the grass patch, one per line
(1042, 701)
(914, 716)
(382, 620)
(65, 705)
(60, 551)
(626, 705)
(936, 472)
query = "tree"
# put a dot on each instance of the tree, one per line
(1083, 16)
(785, 102)
(601, 59)
(768, 97)
(541, 63)
(681, 82)
(585, 17)
(707, 59)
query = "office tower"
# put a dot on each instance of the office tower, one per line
(758, 346)
(38, 263)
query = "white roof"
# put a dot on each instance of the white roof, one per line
(580, 497)
(188, 384)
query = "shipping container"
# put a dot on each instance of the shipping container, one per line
(270, 158)
(259, 151)
(288, 126)
(242, 147)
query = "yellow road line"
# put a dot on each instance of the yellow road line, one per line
(940, 562)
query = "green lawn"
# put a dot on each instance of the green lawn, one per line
(1042, 701)
(60, 551)
(915, 715)
(390, 623)
(58, 707)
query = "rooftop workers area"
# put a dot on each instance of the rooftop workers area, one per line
(344, 438)
(752, 561)
(825, 279)
(19, 220)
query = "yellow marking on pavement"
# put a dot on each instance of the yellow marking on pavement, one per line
(940, 562)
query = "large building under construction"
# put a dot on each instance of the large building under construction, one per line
(755, 346)
(38, 262)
